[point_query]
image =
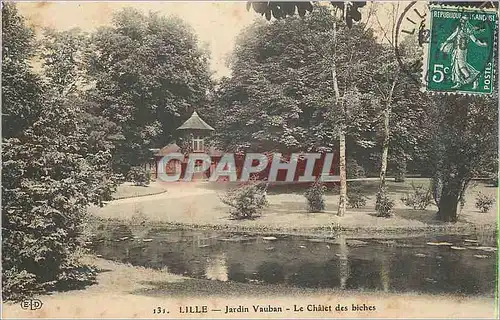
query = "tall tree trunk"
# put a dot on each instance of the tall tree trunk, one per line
(342, 166)
(400, 170)
(452, 191)
(343, 176)
(387, 133)
(448, 204)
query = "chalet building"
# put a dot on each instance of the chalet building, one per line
(194, 135)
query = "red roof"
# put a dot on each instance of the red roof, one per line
(169, 148)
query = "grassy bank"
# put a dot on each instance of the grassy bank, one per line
(197, 206)
(125, 291)
(326, 231)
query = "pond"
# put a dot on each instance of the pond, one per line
(462, 264)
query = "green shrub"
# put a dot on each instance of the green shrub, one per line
(419, 199)
(354, 170)
(355, 197)
(484, 202)
(53, 168)
(246, 201)
(384, 204)
(315, 197)
(356, 200)
(139, 176)
(74, 275)
(19, 284)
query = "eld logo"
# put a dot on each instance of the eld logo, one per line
(31, 304)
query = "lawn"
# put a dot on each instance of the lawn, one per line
(198, 204)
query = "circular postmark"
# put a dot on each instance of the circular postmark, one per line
(415, 17)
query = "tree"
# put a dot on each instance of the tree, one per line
(350, 12)
(464, 144)
(20, 85)
(62, 56)
(63, 59)
(279, 10)
(50, 172)
(278, 73)
(149, 75)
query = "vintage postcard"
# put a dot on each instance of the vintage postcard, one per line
(214, 159)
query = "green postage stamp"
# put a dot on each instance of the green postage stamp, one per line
(460, 53)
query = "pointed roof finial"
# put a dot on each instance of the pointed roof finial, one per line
(195, 123)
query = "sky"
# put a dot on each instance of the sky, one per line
(217, 24)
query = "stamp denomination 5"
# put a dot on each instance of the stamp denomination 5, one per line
(459, 55)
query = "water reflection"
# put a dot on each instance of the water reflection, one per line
(344, 261)
(271, 272)
(236, 272)
(408, 265)
(217, 268)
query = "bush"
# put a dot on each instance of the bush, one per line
(75, 275)
(246, 201)
(354, 170)
(384, 204)
(419, 199)
(52, 170)
(19, 284)
(462, 202)
(355, 198)
(484, 202)
(139, 176)
(314, 196)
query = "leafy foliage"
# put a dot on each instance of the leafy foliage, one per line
(46, 186)
(464, 143)
(51, 171)
(384, 204)
(149, 76)
(139, 175)
(279, 10)
(355, 196)
(419, 199)
(484, 202)
(63, 55)
(279, 74)
(315, 197)
(355, 199)
(21, 87)
(246, 201)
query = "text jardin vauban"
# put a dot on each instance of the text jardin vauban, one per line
(200, 162)
(277, 309)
